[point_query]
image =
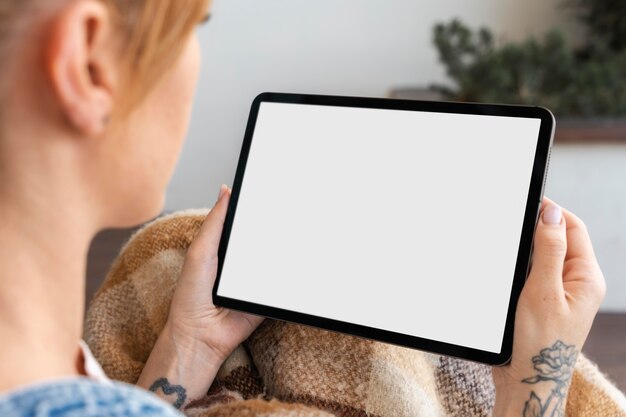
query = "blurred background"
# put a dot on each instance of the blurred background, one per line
(531, 51)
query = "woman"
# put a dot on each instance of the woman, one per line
(95, 99)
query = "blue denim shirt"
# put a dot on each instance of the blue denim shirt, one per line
(83, 397)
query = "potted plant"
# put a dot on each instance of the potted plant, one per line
(585, 87)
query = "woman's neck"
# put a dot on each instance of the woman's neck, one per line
(43, 250)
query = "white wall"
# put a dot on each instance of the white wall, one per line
(354, 47)
(367, 47)
(590, 180)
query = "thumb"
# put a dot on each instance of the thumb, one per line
(206, 243)
(550, 247)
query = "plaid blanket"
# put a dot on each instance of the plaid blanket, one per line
(290, 370)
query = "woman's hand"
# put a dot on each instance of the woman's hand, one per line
(198, 336)
(555, 312)
(192, 313)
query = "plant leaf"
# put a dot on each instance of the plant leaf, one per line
(536, 379)
(533, 407)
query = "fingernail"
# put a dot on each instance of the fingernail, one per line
(552, 214)
(222, 192)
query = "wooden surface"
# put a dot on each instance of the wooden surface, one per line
(606, 344)
(574, 131)
(594, 130)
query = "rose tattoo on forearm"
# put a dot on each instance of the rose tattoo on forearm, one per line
(554, 364)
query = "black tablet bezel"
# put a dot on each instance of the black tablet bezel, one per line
(535, 195)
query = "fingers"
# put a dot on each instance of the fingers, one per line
(545, 201)
(550, 247)
(581, 260)
(206, 243)
(578, 240)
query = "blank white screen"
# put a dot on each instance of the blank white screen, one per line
(399, 220)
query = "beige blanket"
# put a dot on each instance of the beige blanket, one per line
(290, 370)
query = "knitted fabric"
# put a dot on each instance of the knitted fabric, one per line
(285, 369)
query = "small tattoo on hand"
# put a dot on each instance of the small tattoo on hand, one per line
(169, 389)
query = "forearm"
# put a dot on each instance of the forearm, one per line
(179, 371)
(527, 401)
(544, 392)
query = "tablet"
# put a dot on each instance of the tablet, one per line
(406, 222)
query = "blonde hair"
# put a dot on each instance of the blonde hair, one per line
(155, 32)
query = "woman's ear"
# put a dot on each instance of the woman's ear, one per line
(81, 64)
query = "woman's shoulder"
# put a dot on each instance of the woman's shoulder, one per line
(84, 397)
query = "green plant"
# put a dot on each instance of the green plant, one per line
(545, 72)
(606, 20)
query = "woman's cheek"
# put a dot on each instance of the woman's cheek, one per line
(152, 145)
(177, 97)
